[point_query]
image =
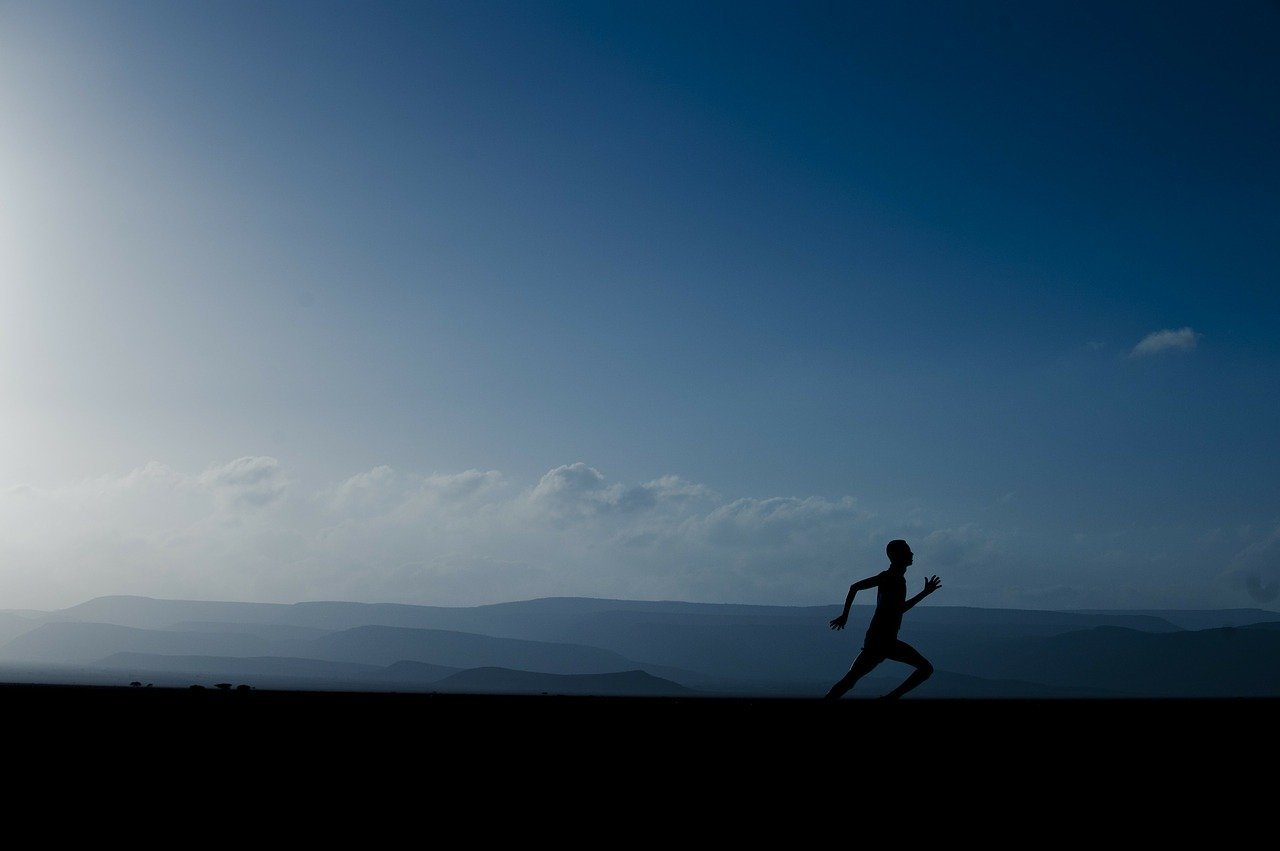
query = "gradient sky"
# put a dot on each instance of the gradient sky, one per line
(466, 302)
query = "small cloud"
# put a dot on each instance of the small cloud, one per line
(459, 487)
(575, 489)
(778, 521)
(363, 489)
(675, 488)
(253, 481)
(569, 481)
(579, 488)
(1161, 341)
(1095, 345)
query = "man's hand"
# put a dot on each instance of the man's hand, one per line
(838, 623)
(932, 584)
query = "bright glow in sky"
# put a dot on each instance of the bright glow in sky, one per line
(461, 303)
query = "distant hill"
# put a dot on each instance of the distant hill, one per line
(148, 613)
(30, 614)
(384, 645)
(1197, 618)
(507, 681)
(711, 648)
(558, 618)
(12, 625)
(414, 673)
(1226, 662)
(240, 669)
(267, 631)
(70, 643)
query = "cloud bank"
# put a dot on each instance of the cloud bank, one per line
(1164, 341)
(245, 530)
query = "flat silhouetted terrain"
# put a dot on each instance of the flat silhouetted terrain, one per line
(635, 747)
(325, 767)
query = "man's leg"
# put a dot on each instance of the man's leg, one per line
(861, 666)
(905, 653)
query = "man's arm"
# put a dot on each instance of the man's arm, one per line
(860, 585)
(931, 584)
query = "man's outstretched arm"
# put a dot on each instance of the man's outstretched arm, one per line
(860, 585)
(931, 584)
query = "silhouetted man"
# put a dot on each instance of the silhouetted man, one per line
(882, 636)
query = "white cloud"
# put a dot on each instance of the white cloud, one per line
(778, 521)
(1166, 340)
(386, 491)
(575, 489)
(245, 530)
(580, 490)
(249, 482)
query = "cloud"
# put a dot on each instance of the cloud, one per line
(778, 521)
(575, 488)
(249, 482)
(1166, 340)
(247, 530)
(386, 491)
(580, 490)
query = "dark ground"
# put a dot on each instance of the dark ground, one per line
(614, 769)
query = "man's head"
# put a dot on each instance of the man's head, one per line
(899, 553)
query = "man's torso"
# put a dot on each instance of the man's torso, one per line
(890, 600)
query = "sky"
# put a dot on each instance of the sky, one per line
(459, 303)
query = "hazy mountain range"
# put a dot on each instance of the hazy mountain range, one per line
(594, 646)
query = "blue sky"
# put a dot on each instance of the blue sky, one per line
(703, 301)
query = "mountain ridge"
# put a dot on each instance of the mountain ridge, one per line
(712, 648)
